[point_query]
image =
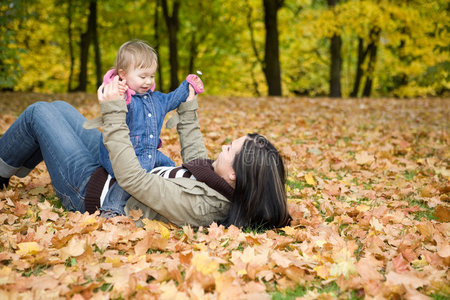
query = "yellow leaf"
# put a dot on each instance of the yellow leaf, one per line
(321, 271)
(310, 179)
(88, 221)
(115, 261)
(375, 224)
(28, 248)
(75, 247)
(6, 276)
(200, 246)
(364, 158)
(242, 272)
(157, 226)
(344, 268)
(289, 230)
(203, 263)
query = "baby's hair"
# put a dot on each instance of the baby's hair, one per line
(135, 54)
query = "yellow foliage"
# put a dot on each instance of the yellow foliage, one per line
(157, 226)
(203, 263)
(28, 248)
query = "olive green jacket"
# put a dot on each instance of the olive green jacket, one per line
(180, 201)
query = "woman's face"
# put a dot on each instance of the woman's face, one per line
(223, 165)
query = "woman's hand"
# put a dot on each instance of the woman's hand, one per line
(192, 95)
(112, 91)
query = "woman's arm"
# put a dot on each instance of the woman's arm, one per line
(188, 127)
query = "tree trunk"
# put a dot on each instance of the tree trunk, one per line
(172, 23)
(336, 60)
(157, 43)
(98, 61)
(255, 50)
(271, 55)
(84, 50)
(372, 50)
(86, 38)
(192, 52)
(359, 70)
(71, 55)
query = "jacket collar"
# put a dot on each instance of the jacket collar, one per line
(203, 171)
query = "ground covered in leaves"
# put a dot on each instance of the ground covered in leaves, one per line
(368, 186)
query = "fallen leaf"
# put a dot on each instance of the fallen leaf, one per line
(135, 214)
(28, 248)
(364, 158)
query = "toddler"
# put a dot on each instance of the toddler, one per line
(136, 63)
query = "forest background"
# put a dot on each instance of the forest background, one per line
(337, 48)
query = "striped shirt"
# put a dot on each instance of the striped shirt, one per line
(164, 172)
(172, 172)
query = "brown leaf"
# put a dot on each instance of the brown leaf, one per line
(38, 191)
(135, 214)
(401, 265)
(442, 213)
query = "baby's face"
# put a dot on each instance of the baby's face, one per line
(140, 79)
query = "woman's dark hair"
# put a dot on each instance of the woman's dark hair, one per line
(259, 199)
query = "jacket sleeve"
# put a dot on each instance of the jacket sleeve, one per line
(188, 127)
(173, 99)
(163, 196)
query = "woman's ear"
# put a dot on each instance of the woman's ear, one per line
(232, 179)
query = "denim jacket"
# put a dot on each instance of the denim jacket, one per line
(145, 118)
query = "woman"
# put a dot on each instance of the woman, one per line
(244, 186)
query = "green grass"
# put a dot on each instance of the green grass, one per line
(428, 213)
(332, 289)
(299, 291)
(409, 174)
(297, 184)
(35, 270)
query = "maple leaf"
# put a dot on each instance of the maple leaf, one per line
(157, 226)
(364, 158)
(401, 265)
(203, 263)
(442, 213)
(28, 248)
(409, 280)
(75, 247)
(309, 178)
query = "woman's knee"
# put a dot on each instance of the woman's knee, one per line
(40, 109)
(62, 105)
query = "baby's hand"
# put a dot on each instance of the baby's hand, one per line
(123, 87)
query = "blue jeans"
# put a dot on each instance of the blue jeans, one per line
(115, 200)
(53, 132)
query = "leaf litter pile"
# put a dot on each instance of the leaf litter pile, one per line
(368, 186)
